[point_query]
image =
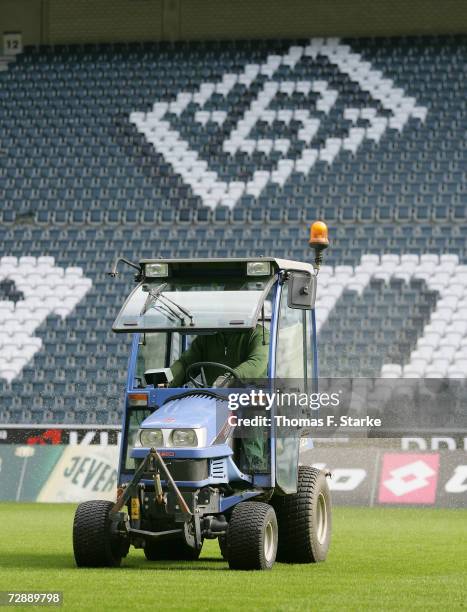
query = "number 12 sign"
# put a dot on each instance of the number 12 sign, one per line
(12, 43)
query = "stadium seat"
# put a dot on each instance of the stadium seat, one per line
(188, 163)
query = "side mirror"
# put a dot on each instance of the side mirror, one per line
(302, 290)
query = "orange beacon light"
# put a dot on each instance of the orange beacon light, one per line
(319, 241)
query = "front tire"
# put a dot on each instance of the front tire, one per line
(94, 545)
(305, 519)
(252, 537)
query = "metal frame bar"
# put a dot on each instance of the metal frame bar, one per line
(272, 371)
(314, 348)
(151, 458)
(129, 387)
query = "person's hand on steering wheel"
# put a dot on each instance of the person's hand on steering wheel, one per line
(224, 380)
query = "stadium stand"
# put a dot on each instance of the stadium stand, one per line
(230, 149)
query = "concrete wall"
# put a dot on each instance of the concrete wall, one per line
(81, 21)
(22, 16)
(103, 20)
(302, 18)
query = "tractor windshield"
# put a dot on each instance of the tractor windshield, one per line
(193, 304)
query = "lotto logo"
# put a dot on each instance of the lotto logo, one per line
(409, 479)
(298, 108)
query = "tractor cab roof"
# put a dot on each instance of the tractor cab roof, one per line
(239, 265)
(201, 295)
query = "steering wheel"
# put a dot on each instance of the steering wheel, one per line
(201, 365)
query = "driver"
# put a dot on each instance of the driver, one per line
(245, 351)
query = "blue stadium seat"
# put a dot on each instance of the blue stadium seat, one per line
(81, 184)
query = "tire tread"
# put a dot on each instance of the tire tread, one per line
(295, 518)
(244, 538)
(92, 543)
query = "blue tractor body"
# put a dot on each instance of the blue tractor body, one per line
(183, 471)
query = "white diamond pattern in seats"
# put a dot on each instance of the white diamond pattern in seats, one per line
(47, 289)
(205, 183)
(441, 348)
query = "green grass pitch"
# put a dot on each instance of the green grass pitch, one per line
(380, 559)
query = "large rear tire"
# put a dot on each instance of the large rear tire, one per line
(252, 537)
(170, 550)
(94, 545)
(305, 519)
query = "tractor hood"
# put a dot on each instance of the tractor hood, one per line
(195, 411)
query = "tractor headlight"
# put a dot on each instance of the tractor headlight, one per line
(156, 270)
(258, 268)
(151, 437)
(184, 437)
